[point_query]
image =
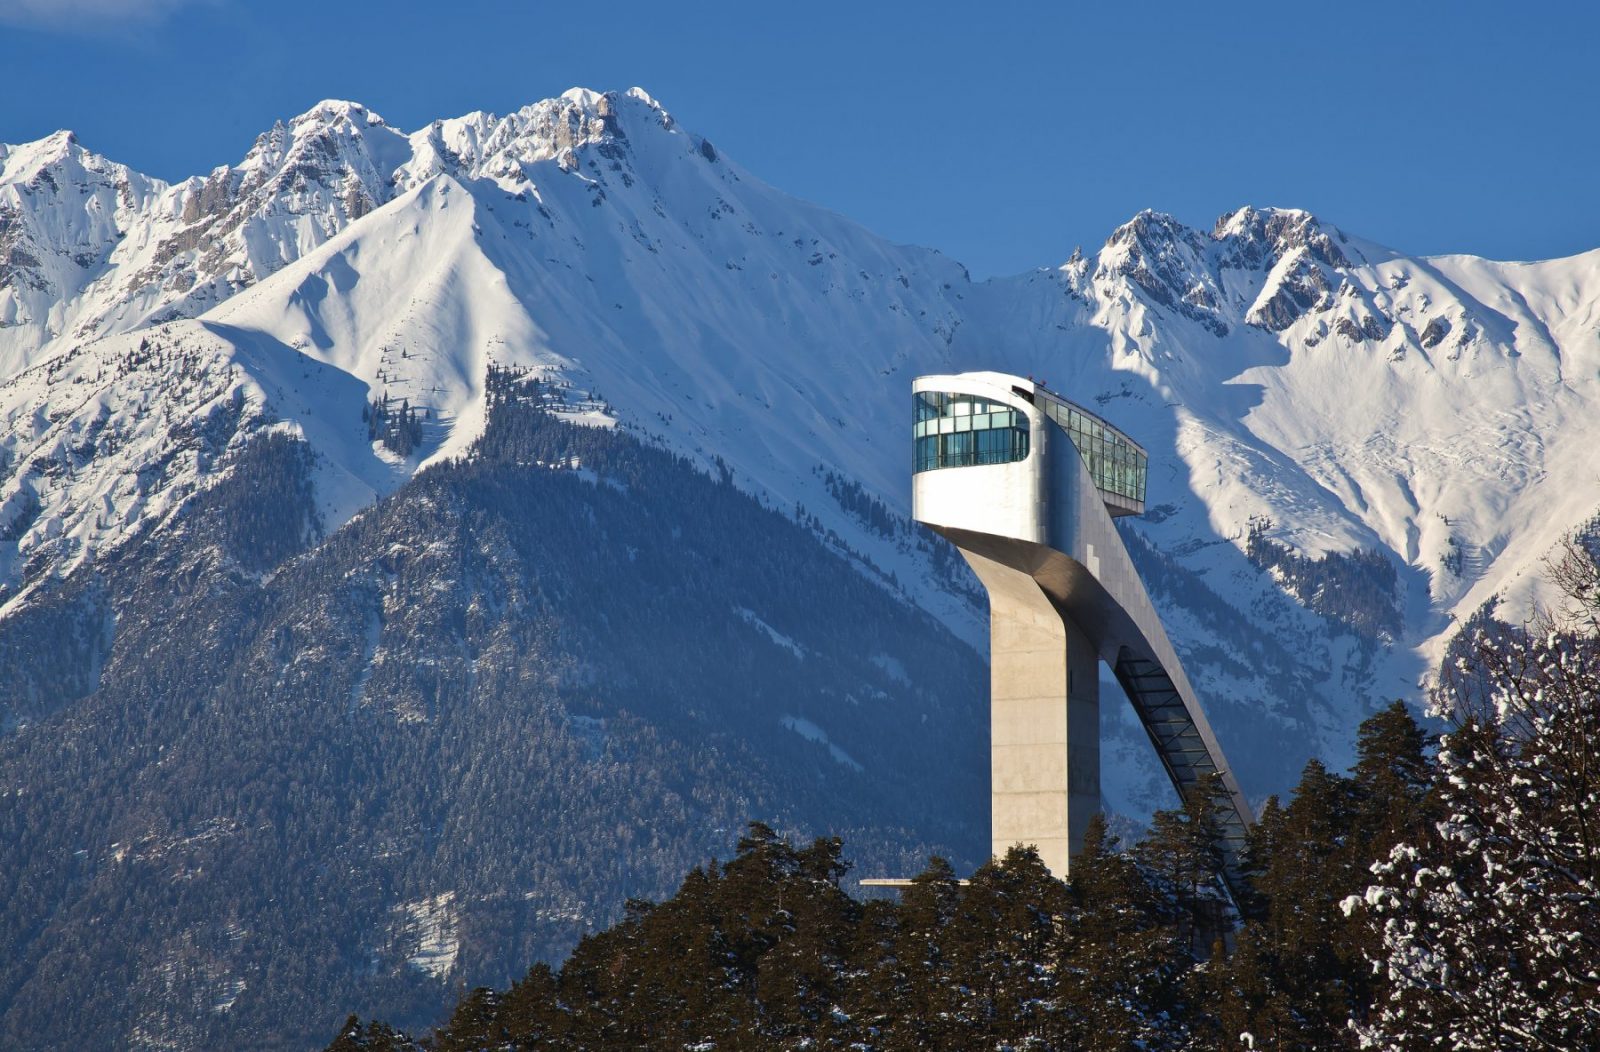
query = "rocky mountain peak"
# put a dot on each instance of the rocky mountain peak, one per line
(503, 149)
(63, 211)
(164, 252)
(1256, 238)
(301, 182)
(23, 163)
(1149, 229)
(1167, 263)
(1263, 267)
(332, 139)
(337, 111)
(1298, 257)
(645, 97)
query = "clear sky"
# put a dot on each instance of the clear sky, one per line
(1001, 133)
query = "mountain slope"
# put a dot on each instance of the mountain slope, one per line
(441, 742)
(1293, 382)
(93, 248)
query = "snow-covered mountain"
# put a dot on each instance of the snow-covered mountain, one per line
(1294, 383)
(408, 709)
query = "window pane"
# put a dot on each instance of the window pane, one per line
(956, 430)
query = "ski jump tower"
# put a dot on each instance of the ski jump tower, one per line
(1026, 484)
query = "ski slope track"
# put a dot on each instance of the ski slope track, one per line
(1335, 394)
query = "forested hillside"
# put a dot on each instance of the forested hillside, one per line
(770, 950)
(448, 739)
(1440, 896)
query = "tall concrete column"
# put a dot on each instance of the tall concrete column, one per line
(1044, 719)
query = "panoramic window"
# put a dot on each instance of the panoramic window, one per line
(1115, 462)
(961, 430)
(958, 430)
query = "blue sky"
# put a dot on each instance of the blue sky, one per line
(1003, 134)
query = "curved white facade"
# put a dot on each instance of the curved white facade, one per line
(1036, 526)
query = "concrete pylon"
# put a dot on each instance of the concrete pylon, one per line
(1044, 719)
(1026, 485)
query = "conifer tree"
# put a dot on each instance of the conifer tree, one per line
(1392, 777)
(530, 1012)
(1183, 855)
(1120, 962)
(685, 961)
(1394, 802)
(908, 985)
(801, 977)
(475, 1024)
(1003, 943)
(356, 1036)
(1490, 923)
(1287, 984)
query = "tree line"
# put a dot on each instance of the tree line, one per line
(1445, 893)
(769, 950)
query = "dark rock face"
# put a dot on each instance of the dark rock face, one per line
(1434, 332)
(19, 266)
(1369, 329)
(607, 109)
(1268, 236)
(1304, 288)
(1154, 260)
(1184, 271)
(1158, 259)
(1262, 240)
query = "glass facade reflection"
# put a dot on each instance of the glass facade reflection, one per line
(957, 430)
(1117, 463)
(961, 430)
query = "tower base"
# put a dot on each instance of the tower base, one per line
(1044, 719)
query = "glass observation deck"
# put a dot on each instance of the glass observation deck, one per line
(961, 430)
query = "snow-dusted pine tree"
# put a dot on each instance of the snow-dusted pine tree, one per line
(1491, 925)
